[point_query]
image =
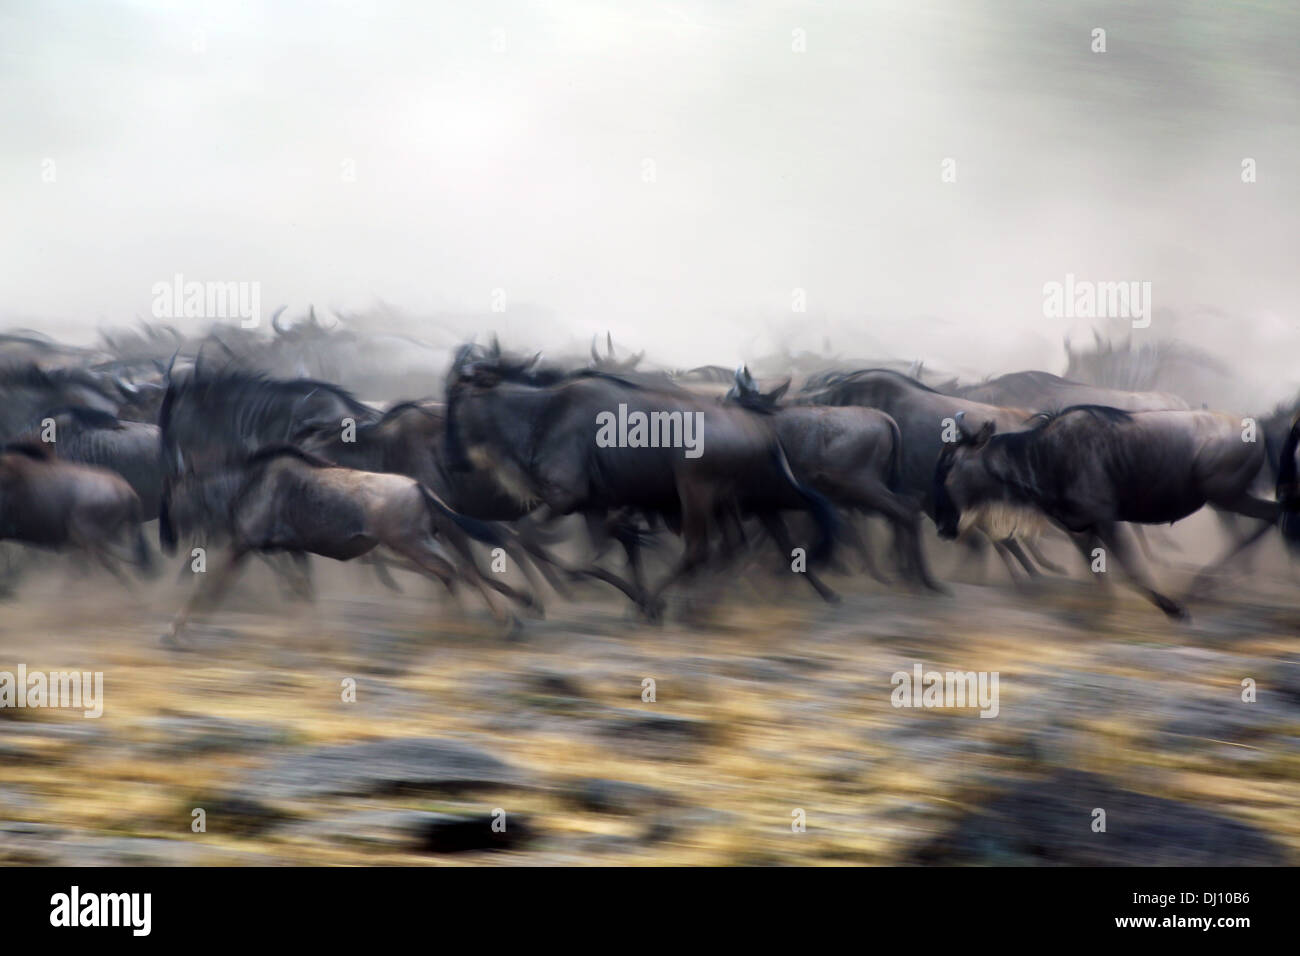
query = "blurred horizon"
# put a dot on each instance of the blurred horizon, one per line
(354, 153)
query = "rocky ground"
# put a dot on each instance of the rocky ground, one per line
(768, 712)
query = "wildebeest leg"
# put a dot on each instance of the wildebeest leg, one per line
(208, 591)
(696, 506)
(1013, 548)
(380, 566)
(1111, 537)
(860, 541)
(1204, 580)
(433, 561)
(541, 559)
(459, 542)
(111, 562)
(1003, 552)
(1242, 504)
(775, 526)
(1036, 553)
(903, 516)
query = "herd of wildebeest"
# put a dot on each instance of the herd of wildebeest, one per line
(243, 443)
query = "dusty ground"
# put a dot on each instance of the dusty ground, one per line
(776, 704)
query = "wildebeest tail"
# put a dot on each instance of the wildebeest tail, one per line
(822, 512)
(478, 530)
(1288, 490)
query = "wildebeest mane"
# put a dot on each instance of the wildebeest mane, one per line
(269, 453)
(1104, 413)
(832, 381)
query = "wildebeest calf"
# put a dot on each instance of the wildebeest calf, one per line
(57, 504)
(285, 499)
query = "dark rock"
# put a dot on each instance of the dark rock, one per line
(618, 796)
(645, 725)
(235, 815)
(1049, 822)
(454, 833)
(182, 736)
(384, 766)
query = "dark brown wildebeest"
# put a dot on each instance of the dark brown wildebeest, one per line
(1090, 468)
(91, 437)
(287, 500)
(541, 437)
(927, 420)
(215, 419)
(57, 504)
(850, 454)
(408, 440)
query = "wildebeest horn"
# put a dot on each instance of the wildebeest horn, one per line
(595, 356)
(609, 344)
(125, 387)
(275, 320)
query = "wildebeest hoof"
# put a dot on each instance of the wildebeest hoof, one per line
(654, 611)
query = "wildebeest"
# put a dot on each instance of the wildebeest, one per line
(1288, 485)
(91, 437)
(927, 420)
(56, 504)
(408, 439)
(540, 437)
(29, 392)
(1090, 468)
(210, 419)
(283, 499)
(850, 454)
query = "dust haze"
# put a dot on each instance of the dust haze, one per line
(678, 174)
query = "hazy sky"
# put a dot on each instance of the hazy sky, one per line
(507, 145)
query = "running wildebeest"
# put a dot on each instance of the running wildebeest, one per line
(850, 454)
(408, 439)
(55, 504)
(209, 419)
(30, 391)
(1090, 468)
(541, 438)
(926, 418)
(91, 437)
(284, 499)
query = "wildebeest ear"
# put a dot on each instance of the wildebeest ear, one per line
(984, 434)
(775, 395)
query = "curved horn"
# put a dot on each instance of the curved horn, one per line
(609, 344)
(275, 320)
(595, 356)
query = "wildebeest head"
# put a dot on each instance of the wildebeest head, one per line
(1288, 486)
(961, 479)
(745, 392)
